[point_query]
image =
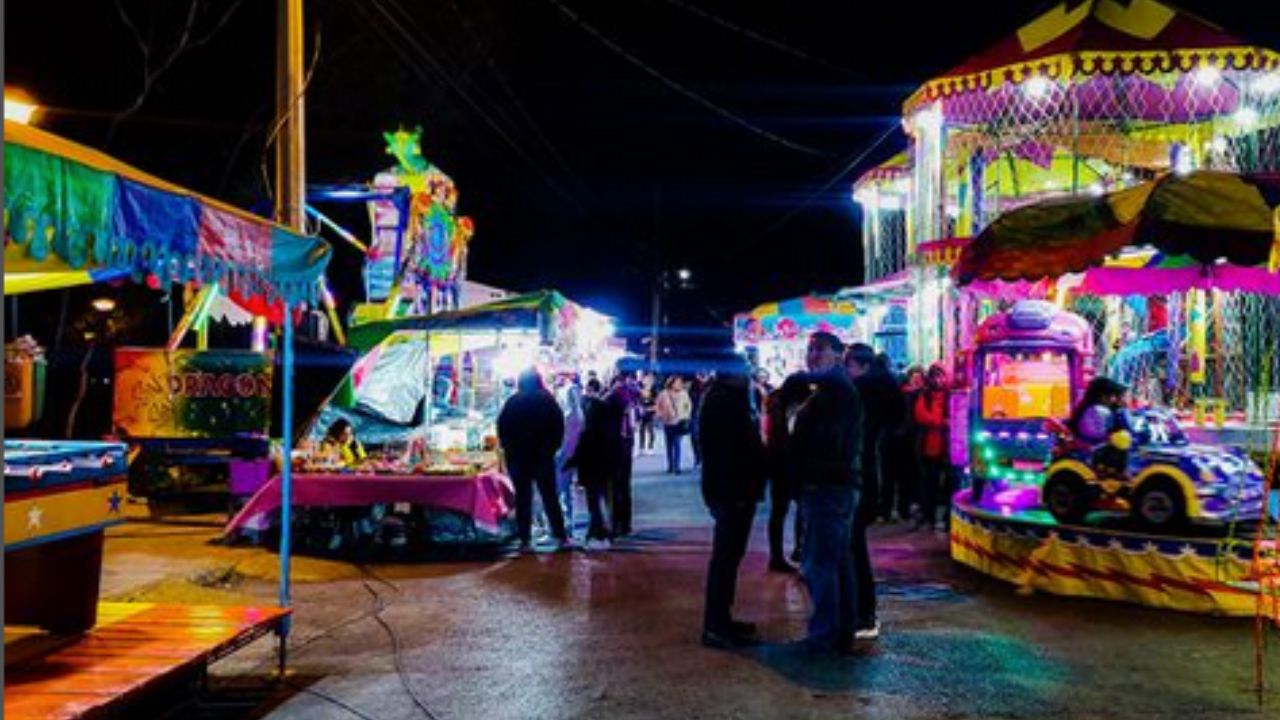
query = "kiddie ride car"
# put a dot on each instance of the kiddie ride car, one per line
(1155, 474)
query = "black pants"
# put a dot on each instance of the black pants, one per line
(728, 546)
(647, 432)
(596, 489)
(935, 486)
(865, 579)
(905, 469)
(525, 475)
(619, 498)
(781, 495)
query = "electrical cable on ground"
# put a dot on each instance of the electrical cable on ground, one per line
(681, 89)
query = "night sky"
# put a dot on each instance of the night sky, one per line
(582, 168)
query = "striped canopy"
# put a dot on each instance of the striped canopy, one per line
(1206, 216)
(74, 215)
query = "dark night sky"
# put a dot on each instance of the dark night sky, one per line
(582, 171)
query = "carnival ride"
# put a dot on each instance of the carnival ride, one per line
(1111, 158)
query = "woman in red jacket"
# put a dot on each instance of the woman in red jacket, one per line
(935, 472)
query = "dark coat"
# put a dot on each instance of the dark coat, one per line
(733, 458)
(884, 406)
(530, 427)
(826, 443)
(596, 454)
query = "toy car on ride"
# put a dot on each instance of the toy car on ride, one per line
(1167, 483)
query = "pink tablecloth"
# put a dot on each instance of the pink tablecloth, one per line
(487, 497)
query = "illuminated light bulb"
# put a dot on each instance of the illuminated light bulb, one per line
(1246, 117)
(1037, 87)
(1218, 144)
(1207, 76)
(1268, 84)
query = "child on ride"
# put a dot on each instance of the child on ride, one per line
(1099, 419)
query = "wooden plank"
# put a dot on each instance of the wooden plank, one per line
(134, 647)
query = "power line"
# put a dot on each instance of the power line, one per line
(760, 38)
(841, 173)
(511, 93)
(690, 94)
(430, 59)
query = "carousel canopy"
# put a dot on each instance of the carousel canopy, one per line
(1099, 37)
(74, 215)
(1205, 217)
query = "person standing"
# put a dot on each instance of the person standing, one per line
(697, 390)
(570, 399)
(732, 484)
(623, 409)
(648, 396)
(530, 430)
(930, 412)
(779, 405)
(884, 412)
(826, 452)
(906, 453)
(594, 458)
(674, 410)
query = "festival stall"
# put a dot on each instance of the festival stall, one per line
(424, 399)
(75, 216)
(776, 333)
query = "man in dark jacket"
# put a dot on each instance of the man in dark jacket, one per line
(531, 428)
(826, 451)
(886, 411)
(733, 474)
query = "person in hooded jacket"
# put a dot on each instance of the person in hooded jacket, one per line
(530, 430)
(733, 475)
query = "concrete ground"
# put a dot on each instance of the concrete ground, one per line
(614, 634)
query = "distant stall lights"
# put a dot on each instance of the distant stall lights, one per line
(103, 304)
(685, 274)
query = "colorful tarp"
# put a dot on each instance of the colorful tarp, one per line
(71, 209)
(1207, 216)
(1098, 38)
(545, 310)
(796, 318)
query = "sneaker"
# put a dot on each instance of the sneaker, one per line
(868, 633)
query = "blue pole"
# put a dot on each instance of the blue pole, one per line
(286, 473)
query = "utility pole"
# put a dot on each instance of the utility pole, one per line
(291, 198)
(656, 322)
(291, 167)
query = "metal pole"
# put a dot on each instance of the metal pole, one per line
(291, 197)
(656, 324)
(286, 474)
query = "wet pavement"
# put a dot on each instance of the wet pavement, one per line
(614, 634)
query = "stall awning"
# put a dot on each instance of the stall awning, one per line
(1206, 216)
(73, 214)
(546, 311)
(795, 319)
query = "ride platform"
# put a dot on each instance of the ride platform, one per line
(135, 649)
(1008, 536)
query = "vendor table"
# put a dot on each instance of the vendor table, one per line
(58, 498)
(487, 497)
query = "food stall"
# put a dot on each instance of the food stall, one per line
(776, 333)
(424, 400)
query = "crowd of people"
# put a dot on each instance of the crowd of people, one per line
(847, 444)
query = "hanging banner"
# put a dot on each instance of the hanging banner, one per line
(191, 393)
